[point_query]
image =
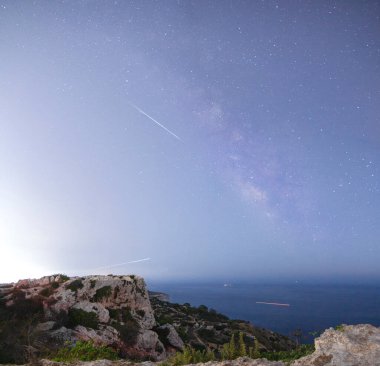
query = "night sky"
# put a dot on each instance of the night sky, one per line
(216, 140)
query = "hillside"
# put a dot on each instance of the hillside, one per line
(203, 328)
(41, 316)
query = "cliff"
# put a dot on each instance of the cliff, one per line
(40, 316)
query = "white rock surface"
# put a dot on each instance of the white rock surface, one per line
(173, 338)
(353, 345)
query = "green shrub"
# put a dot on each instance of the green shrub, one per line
(92, 283)
(242, 346)
(164, 319)
(190, 355)
(301, 351)
(62, 277)
(75, 285)
(114, 313)
(183, 333)
(121, 315)
(46, 292)
(233, 350)
(85, 351)
(23, 308)
(126, 315)
(128, 331)
(208, 335)
(81, 317)
(340, 328)
(102, 293)
(19, 338)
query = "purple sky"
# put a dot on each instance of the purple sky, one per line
(220, 139)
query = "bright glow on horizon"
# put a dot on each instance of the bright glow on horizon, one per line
(15, 266)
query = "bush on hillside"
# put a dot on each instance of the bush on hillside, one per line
(85, 351)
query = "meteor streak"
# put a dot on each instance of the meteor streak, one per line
(272, 303)
(155, 121)
(122, 264)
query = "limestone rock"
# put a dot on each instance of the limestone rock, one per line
(106, 335)
(108, 310)
(352, 345)
(98, 309)
(243, 361)
(171, 336)
(149, 344)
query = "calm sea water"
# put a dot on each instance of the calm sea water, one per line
(312, 307)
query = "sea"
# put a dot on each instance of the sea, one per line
(311, 308)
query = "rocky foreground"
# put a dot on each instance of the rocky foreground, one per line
(39, 317)
(351, 345)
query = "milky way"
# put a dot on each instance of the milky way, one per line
(277, 107)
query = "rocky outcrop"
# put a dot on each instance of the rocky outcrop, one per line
(349, 345)
(243, 361)
(108, 310)
(170, 337)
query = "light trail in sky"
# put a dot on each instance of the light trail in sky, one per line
(155, 121)
(94, 270)
(122, 264)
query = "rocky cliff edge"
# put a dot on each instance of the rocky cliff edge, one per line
(43, 314)
(350, 345)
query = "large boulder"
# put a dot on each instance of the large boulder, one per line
(349, 345)
(170, 336)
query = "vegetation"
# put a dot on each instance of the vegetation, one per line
(84, 351)
(128, 331)
(340, 328)
(208, 335)
(190, 355)
(75, 285)
(235, 349)
(164, 319)
(102, 293)
(163, 335)
(55, 285)
(88, 319)
(47, 291)
(18, 336)
(62, 277)
(300, 351)
(121, 315)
